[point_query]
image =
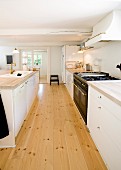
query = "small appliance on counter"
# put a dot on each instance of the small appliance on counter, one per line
(88, 67)
(79, 64)
(71, 64)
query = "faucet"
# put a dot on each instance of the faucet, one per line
(11, 68)
(119, 66)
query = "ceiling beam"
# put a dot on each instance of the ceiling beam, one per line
(83, 31)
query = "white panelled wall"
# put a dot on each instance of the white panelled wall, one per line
(43, 67)
(5, 50)
(72, 53)
(55, 61)
(107, 57)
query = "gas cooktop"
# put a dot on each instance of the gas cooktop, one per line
(95, 76)
(90, 74)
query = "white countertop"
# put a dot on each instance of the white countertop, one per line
(13, 82)
(111, 89)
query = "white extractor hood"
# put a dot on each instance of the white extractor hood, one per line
(108, 29)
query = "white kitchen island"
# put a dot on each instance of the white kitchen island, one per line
(18, 94)
(104, 120)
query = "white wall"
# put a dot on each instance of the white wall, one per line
(43, 67)
(107, 57)
(8, 51)
(72, 53)
(55, 61)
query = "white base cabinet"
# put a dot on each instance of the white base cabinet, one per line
(69, 83)
(104, 123)
(20, 106)
(17, 103)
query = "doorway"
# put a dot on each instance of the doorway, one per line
(43, 67)
(39, 60)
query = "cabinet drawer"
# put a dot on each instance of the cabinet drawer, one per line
(97, 95)
(107, 149)
(111, 126)
(93, 114)
(113, 108)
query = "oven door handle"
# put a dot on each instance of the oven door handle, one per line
(80, 91)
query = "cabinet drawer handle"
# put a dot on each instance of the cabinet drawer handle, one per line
(99, 107)
(98, 127)
(99, 97)
(22, 86)
(84, 94)
(26, 82)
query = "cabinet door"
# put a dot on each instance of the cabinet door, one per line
(36, 86)
(20, 106)
(108, 150)
(30, 92)
(105, 128)
(94, 113)
(111, 125)
(69, 83)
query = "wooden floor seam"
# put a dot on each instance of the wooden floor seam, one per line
(53, 136)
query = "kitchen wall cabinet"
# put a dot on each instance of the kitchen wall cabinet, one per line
(69, 53)
(104, 123)
(69, 83)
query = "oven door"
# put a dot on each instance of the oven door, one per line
(80, 99)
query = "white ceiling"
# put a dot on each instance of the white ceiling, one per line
(49, 22)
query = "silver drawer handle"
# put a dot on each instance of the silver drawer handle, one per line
(80, 90)
(99, 97)
(99, 107)
(22, 86)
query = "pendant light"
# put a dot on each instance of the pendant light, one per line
(15, 51)
(80, 51)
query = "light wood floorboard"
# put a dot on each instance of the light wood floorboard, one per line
(53, 137)
(43, 80)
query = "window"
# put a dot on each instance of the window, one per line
(37, 58)
(27, 58)
(31, 58)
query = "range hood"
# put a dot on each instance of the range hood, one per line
(84, 48)
(108, 29)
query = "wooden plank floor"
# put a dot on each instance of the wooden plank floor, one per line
(53, 137)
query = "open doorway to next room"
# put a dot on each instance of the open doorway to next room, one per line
(35, 59)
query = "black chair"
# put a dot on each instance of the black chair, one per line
(54, 78)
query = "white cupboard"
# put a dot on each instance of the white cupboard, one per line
(69, 83)
(17, 103)
(104, 123)
(20, 106)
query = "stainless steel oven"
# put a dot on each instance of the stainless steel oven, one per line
(81, 97)
(81, 89)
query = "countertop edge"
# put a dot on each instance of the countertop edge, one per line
(22, 80)
(74, 70)
(105, 93)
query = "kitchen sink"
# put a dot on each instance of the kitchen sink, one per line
(17, 74)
